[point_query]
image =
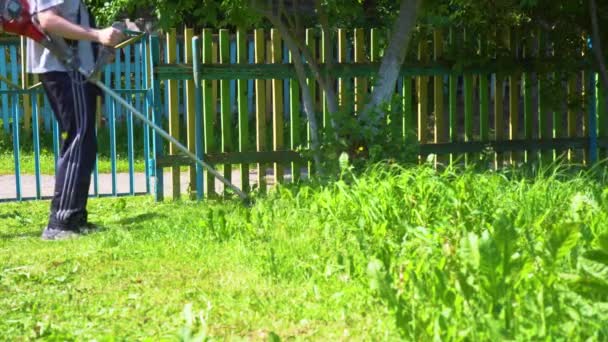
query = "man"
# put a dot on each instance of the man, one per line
(73, 102)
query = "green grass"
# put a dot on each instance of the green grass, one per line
(7, 163)
(47, 164)
(391, 254)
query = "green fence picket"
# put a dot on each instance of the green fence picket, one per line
(409, 115)
(225, 110)
(209, 113)
(572, 119)
(602, 115)
(514, 92)
(468, 104)
(441, 122)
(278, 139)
(173, 106)
(528, 89)
(422, 88)
(360, 82)
(545, 113)
(453, 97)
(484, 97)
(325, 56)
(295, 125)
(243, 108)
(260, 102)
(312, 47)
(190, 106)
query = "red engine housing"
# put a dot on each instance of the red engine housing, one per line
(15, 18)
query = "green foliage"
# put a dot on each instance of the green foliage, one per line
(361, 145)
(241, 13)
(411, 254)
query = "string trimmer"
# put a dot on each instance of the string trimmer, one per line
(15, 18)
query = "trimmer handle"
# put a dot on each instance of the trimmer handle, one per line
(106, 53)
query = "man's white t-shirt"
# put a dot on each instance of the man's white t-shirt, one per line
(41, 60)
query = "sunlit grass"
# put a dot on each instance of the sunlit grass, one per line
(394, 253)
(47, 164)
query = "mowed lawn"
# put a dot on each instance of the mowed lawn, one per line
(393, 253)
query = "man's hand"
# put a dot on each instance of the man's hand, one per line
(110, 36)
(52, 22)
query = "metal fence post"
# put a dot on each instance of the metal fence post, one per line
(198, 120)
(157, 142)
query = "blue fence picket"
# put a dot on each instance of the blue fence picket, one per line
(127, 75)
(44, 116)
(4, 97)
(130, 153)
(250, 93)
(147, 107)
(111, 117)
(138, 83)
(14, 68)
(36, 139)
(56, 139)
(156, 115)
(96, 173)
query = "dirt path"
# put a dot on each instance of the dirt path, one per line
(28, 184)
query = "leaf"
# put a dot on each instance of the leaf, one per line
(380, 281)
(597, 256)
(591, 288)
(273, 337)
(490, 257)
(594, 268)
(603, 242)
(563, 239)
(469, 250)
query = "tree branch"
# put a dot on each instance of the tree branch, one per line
(393, 59)
(330, 94)
(302, 80)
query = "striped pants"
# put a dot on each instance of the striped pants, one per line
(73, 102)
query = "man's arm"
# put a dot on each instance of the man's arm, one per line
(52, 22)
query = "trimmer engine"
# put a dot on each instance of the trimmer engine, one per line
(15, 18)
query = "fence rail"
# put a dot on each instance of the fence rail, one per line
(458, 96)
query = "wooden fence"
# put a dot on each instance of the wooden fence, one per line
(462, 98)
(511, 104)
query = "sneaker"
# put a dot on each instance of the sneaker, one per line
(58, 234)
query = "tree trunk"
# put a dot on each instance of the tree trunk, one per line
(393, 59)
(597, 48)
(307, 100)
(330, 93)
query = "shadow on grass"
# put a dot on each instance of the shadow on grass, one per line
(133, 223)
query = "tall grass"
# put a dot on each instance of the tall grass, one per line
(458, 255)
